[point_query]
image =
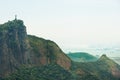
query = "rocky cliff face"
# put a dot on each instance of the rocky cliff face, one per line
(13, 46)
(17, 49)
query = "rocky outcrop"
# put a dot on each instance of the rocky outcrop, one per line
(17, 49)
(13, 46)
(111, 66)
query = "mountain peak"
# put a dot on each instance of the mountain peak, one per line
(104, 57)
(12, 24)
(13, 46)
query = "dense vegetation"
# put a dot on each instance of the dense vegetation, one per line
(99, 70)
(47, 72)
(11, 25)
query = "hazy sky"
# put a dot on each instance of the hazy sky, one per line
(72, 24)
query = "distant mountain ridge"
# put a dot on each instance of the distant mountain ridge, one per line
(82, 57)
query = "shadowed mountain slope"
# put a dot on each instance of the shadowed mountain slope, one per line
(103, 69)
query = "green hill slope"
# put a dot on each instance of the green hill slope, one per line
(103, 69)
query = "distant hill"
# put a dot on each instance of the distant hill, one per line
(82, 57)
(102, 69)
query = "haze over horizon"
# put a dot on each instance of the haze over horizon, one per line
(72, 24)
